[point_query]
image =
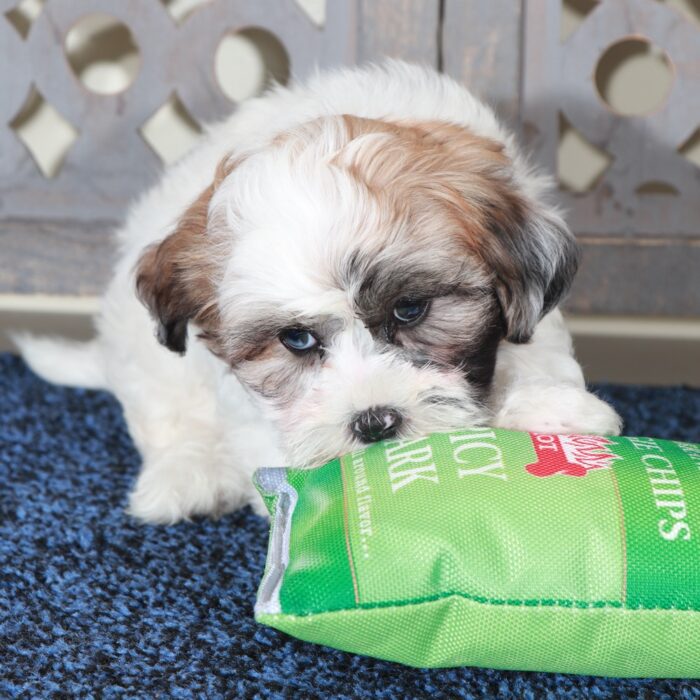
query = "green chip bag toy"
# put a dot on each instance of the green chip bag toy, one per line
(485, 547)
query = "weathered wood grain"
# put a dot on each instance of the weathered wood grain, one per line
(55, 257)
(656, 277)
(405, 29)
(481, 47)
(541, 78)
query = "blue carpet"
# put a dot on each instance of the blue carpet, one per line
(93, 604)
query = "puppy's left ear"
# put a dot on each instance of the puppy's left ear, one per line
(525, 244)
(535, 257)
(176, 278)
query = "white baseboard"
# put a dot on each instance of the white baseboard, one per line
(48, 304)
(613, 349)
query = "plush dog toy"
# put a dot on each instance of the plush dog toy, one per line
(483, 547)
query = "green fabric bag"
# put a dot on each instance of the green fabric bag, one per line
(485, 547)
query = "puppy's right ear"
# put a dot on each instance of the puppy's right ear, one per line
(175, 279)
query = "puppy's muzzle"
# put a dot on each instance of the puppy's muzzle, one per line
(376, 423)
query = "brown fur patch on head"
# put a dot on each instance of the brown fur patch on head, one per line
(176, 277)
(432, 170)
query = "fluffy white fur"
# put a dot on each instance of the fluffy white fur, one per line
(199, 427)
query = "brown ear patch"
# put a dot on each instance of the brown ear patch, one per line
(176, 277)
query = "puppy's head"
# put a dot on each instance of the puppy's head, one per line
(358, 276)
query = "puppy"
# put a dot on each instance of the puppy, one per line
(365, 256)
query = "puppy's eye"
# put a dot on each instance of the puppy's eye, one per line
(410, 311)
(298, 340)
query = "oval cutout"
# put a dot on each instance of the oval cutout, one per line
(634, 77)
(249, 61)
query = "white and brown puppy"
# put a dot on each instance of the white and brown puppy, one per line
(361, 257)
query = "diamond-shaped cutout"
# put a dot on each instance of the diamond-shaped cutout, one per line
(315, 10)
(690, 149)
(573, 13)
(580, 164)
(171, 131)
(180, 10)
(46, 134)
(22, 15)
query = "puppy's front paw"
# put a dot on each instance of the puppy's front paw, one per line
(558, 410)
(163, 498)
(177, 487)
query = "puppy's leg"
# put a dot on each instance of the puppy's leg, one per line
(190, 467)
(539, 386)
(176, 483)
(195, 455)
(200, 447)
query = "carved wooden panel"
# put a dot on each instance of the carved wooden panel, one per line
(558, 77)
(639, 218)
(55, 231)
(109, 161)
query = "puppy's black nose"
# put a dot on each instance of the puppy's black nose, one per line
(376, 423)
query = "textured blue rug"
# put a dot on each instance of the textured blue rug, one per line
(93, 604)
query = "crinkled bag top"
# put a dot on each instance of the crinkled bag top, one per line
(487, 547)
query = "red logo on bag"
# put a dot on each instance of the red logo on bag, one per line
(572, 455)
